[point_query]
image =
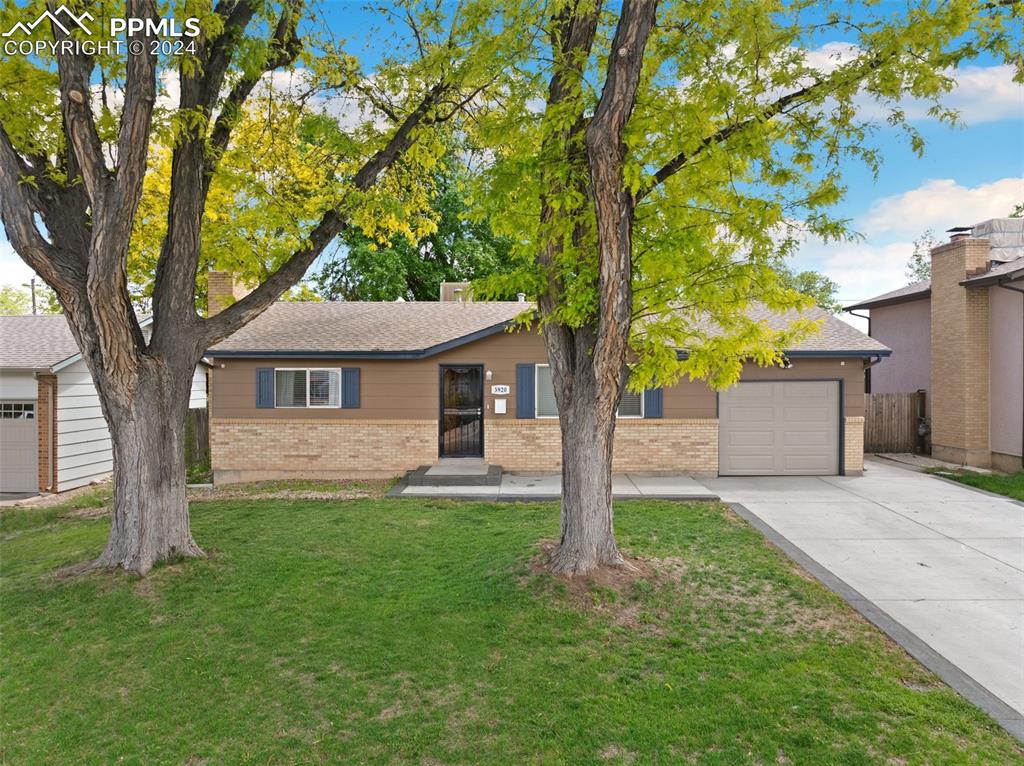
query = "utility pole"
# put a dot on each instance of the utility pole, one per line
(31, 285)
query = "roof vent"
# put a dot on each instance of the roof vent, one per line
(521, 297)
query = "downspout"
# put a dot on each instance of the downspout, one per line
(1005, 286)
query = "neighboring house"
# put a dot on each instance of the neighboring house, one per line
(52, 433)
(328, 390)
(960, 337)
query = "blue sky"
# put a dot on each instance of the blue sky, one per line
(966, 176)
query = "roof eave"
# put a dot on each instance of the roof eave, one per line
(891, 301)
(987, 280)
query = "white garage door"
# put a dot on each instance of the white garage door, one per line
(777, 428)
(18, 447)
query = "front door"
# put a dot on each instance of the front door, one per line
(462, 411)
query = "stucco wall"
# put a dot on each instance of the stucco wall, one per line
(906, 329)
(1006, 380)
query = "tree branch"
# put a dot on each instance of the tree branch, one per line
(774, 109)
(221, 325)
(73, 71)
(613, 204)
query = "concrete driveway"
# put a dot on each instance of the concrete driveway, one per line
(943, 561)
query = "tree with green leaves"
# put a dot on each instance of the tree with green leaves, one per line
(815, 285)
(459, 248)
(16, 300)
(919, 265)
(121, 170)
(683, 148)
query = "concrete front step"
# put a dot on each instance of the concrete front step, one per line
(451, 474)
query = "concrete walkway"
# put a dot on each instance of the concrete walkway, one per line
(945, 562)
(545, 486)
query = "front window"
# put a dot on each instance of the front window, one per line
(307, 388)
(630, 406)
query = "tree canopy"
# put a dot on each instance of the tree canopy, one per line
(734, 152)
(458, 247)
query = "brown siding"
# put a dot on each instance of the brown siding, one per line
(408, 389)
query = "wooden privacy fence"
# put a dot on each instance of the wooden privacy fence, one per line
(891, 422)
(197, 437)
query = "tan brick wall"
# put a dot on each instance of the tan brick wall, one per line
(640, 445)
(960, 354)
(853, 446)
(46, 432)
(249, 450)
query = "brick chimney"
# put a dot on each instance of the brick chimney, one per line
(222, 289)
(456, 291)
(960, 353)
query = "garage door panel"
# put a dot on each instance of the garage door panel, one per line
(751, 438)
(752, 414)
(752, 464)
(807, 414)
(18, 451)
(806, 440)
(779, 428)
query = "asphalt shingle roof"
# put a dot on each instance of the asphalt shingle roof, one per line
(1001, 270)
(360, 327)
(35, 342)
(356, 328)
(902, 295)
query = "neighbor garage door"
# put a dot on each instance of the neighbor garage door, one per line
(18, 447)
(775, 428)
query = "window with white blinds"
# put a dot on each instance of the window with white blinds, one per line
(307, 388)
(630, 406)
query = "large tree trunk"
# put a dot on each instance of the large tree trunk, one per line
(587, 538)
(149, 522)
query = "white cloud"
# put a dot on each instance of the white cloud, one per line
(982, 93)
(939, 204)
(987, 94)
(13, 270)
(877, 263)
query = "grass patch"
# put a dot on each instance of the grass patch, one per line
(417, 632)
(1011, 485)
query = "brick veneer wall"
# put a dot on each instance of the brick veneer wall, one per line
(248, 450)
(251, 450)
(853, 446)
(960, 355)
(46, 432)
(640, 445)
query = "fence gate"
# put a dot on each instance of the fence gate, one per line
(891, 422)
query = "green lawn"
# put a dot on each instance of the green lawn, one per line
(1011, 485)
(413, 632)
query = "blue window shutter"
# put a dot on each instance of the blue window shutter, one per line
(350, 388)
(653, 403)
(525, 391)
(265, 387)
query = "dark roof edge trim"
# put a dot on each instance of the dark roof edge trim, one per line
(411, 354)
(993, 279)
(891, 301)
